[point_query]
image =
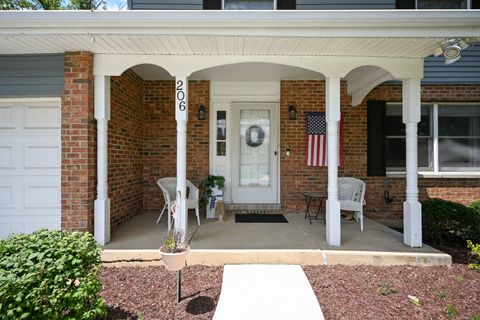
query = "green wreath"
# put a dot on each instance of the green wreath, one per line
(260, 136)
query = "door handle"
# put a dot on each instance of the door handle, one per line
(275, 152)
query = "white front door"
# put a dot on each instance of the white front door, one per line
(254, 153)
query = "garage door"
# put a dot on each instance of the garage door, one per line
(30, 156)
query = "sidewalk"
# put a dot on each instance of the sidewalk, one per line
(266, 292)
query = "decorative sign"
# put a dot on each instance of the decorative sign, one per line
(254, 136)
(181, 98)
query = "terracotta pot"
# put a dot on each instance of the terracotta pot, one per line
(174, 261)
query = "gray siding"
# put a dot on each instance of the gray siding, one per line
(31, 75)
(465, 70)
(165, 4)
(344, 4)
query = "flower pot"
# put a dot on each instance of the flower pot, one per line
(218, 194)
(174, 261)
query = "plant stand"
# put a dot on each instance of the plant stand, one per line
(179, 286)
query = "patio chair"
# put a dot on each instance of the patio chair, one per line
(168, 187)
(351, 193)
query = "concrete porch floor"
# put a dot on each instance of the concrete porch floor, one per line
(218, 242)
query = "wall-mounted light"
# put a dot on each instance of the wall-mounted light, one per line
(202, 112)
(451, 50)
(292, 112)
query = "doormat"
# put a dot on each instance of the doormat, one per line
(260, 218)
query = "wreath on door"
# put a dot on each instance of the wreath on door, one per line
(254, 136)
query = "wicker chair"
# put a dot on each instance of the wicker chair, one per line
(168, 187)
(351, 193)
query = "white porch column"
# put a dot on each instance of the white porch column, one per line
(412, 209)
(181, 115)
(332, 108)
(102, 203)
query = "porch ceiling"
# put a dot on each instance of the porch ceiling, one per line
(219, 45)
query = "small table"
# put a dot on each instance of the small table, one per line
(309, 196)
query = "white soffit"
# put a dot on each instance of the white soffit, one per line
(218, 45)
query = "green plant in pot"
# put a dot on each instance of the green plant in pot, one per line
(175, 248)
(212, 187)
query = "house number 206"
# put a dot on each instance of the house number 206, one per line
(181, 96)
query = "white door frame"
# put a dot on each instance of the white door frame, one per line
(238, 194)
(222, 95)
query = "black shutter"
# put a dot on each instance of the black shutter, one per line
(376, 138)
(212, 4)
(286, 4)
(475, 4)
(405, 4)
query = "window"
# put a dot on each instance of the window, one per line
(395, 139)
(448, 138)
(221, 133)
(459, 137)
(442, 4)
(249, 4)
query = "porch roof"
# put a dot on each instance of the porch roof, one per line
(378, 33)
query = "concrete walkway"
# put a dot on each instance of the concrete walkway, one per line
(266, 292)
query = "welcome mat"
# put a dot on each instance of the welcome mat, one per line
(260, 218)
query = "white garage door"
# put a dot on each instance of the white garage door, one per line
(30, 156)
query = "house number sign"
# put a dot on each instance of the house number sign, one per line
(181, 103)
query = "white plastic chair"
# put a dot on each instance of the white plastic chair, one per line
(169, 190)
(351, 193)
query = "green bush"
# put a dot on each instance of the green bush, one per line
(449, 223)
(474, 256)
(475, 205)
(50, 275)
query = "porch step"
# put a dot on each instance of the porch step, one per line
(260, 208)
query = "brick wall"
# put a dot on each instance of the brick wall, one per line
(296, 177)
(160, 147)
(78, 181)
(125, 143)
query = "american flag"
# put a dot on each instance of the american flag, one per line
(317, 139)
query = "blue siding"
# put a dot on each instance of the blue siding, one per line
(165, 4)
(31, 75)
(345, 4)
(465, 70)
(301, 4)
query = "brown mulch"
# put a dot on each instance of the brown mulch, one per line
(151, 292)
(367, 292)
(362, 292)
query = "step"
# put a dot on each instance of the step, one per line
(249, 208)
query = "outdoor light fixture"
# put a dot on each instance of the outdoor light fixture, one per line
(451, 50)
(292, 112)
(202, 112)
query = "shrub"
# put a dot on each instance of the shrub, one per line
(449, 223)
(50, 275)
(475, 255)
(475, 205)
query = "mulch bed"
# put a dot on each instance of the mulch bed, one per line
(151, 292)
(362, 292)
(367, 292)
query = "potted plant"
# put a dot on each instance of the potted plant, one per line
(175, 248)
(212, 186)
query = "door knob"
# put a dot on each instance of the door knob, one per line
(275, 153)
